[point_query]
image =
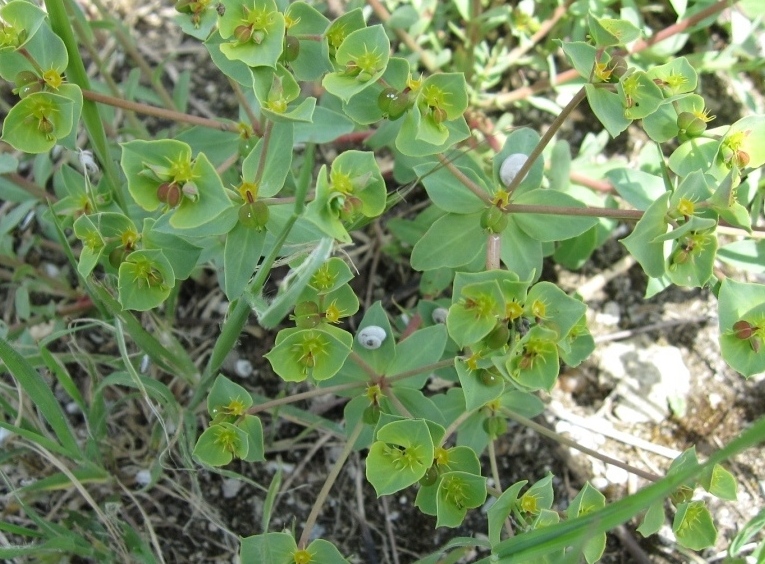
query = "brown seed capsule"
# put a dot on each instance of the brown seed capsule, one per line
(743, 329)
(169, 193)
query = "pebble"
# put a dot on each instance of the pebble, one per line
(143, 477)
(610, 316)
(230, 487)
(243, 368)
(648, 380)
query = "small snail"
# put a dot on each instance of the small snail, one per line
(511, 166)
(439, 315)
(371, 337)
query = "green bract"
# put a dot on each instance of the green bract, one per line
(254, 30)
(361, 57)
(400, 457)
(151, 164)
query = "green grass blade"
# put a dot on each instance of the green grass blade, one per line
(537, 543)
(41, 396)
(77, 74)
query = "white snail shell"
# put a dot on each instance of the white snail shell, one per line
(511, 166)
(371, 337)
(439, 315)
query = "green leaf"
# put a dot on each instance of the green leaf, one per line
(93, 244)
(519, 252)
(501, 509)
(300, 353)
(363, 57)
(538, 497)
(534, 363)
(270, 315)
(697, 268)
(327, 126)
(587, 501)
(477, 394)
(276, 166)
(746, 254)
(693, 526)
(695, 154)
(475, 312)
(20, 16)
(244, 247)
(640, 95)
(268, 548)
(607, 32)
(553, 308)
(220, 443)
(448, 193)
(740, 301)
(452, 241)
(227, 399)
(640, 189)
(410, 143)
(363, 108)
(181, 254)
(653, 519)
(265, 46)
(583, 56)
(549, 227)
(458, 492)
(37, 122)
(145, 280)
(234, 69)
(313, 59)
(719, 482)
(675, 77)
(254, 429)
(641, 243)
(421, 348)
(608, 108)
(400, 456)
(747, 135)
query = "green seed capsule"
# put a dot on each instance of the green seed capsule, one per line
(489, 378)
(495, 426)
(371, 415)
(254, 215)
(498, 337)
(290, 49)
(117, 256)
(430, 477)
(494, 220)
(385, 99)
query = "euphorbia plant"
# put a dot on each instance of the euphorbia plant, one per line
(487, 325)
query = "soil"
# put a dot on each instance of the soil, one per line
(195, 517)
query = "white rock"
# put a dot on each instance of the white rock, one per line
(5, 434)
(143, 477)
(648, 379)
(599, 483)
(243, 368)
(616, 475)
(230, 487)
(610, 315)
